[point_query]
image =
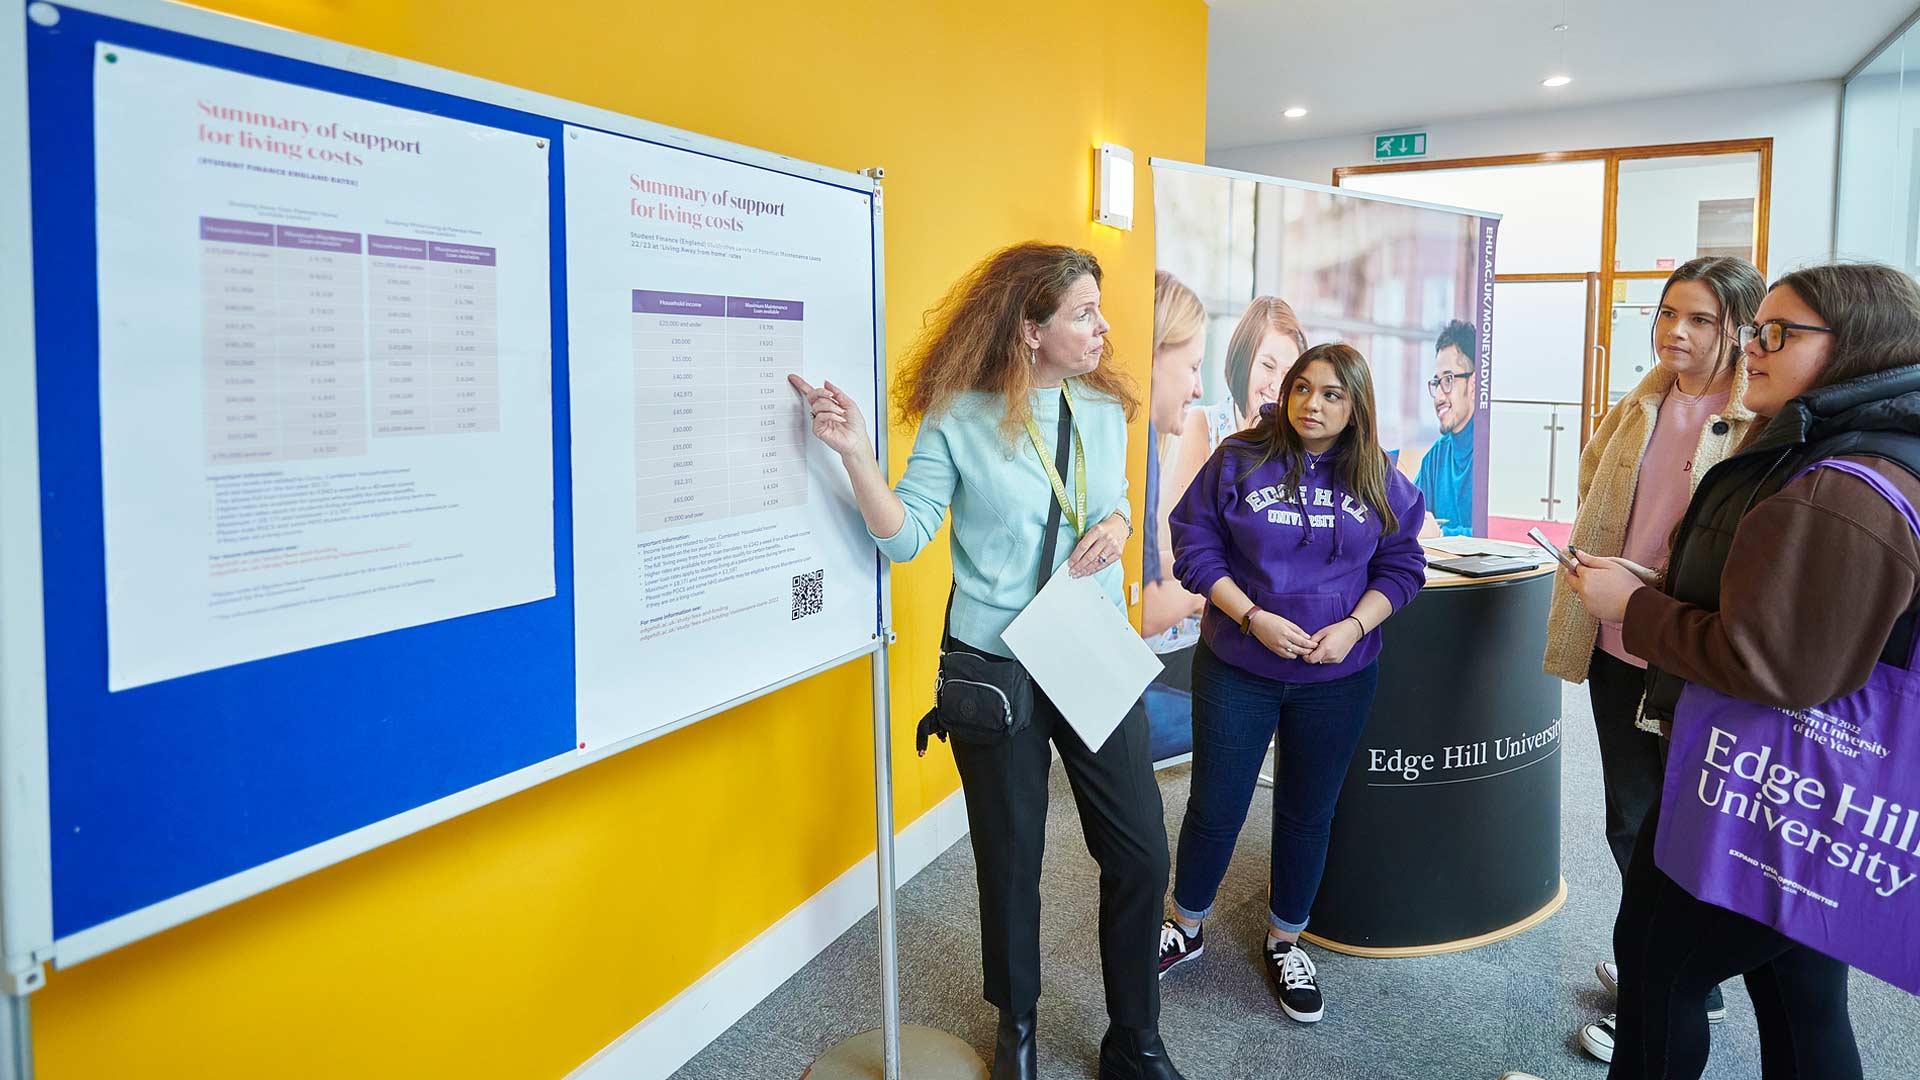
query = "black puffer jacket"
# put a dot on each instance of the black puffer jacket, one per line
(1874, 416)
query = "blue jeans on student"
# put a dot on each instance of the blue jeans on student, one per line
(1317, 729)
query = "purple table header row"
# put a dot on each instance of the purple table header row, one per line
(648, 302)
(294, 236)
(400, 247)
(223, 230)
(748, 307)
(459, 253)
(396, 247)
(235, 232)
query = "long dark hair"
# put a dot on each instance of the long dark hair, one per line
(1874, 311)
(1358, 462)
(972, 338)
(1736, 286)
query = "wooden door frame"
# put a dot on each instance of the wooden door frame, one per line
(1611, 157)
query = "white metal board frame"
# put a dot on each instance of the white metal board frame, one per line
(26, 906)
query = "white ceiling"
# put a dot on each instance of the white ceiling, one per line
(1378, 65)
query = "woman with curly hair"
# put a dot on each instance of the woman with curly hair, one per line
(1023, 436)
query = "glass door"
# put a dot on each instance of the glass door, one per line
(1542, 336)
(1666, 208)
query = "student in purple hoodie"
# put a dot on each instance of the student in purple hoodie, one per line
(1304, 539)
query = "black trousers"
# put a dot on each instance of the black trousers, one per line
(1632, 762)
(1120, 814)
(1673, 949)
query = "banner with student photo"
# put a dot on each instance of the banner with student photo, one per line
(1252, 271)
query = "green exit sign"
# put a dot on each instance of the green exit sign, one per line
(1404, 145)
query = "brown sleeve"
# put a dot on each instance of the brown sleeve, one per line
(1816, 578)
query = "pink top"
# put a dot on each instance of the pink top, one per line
(1661, 495)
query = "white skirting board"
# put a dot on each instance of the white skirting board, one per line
(668, 1039)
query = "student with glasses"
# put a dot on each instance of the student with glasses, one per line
(1636, 475)
(1787, 586)
(1446, 472)
(1304, 539)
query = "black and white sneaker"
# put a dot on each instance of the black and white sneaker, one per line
(1608, 973)
(1597, 1038)
(1292, 973)
(1176, 947)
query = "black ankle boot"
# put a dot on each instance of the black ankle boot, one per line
(1013, 1055)
(1135, 1054)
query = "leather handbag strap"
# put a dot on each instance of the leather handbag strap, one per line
(1062, 458)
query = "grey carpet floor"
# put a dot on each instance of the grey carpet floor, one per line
(1513, 1005)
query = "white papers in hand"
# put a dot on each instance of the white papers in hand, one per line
(1082, 651)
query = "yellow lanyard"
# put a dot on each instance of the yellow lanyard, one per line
(1076, 509)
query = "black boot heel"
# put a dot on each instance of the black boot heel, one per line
(1135, 1054)
(1013, 1052)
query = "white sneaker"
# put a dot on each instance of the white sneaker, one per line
(1608, 973)
(1597, 1038)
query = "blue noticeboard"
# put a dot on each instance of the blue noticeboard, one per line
(163, 788)
(154, 792)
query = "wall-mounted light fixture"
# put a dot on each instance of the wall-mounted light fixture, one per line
(1113, 195)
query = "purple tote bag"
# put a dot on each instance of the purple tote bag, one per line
(1807, 820)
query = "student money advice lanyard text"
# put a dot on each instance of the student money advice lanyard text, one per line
(1076, 510)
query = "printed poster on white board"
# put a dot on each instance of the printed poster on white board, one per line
(325, 356)
(717, 549)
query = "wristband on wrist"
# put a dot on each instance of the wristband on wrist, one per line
(1363, 626)
(1246, 621)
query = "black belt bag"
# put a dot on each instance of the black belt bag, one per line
(981, 699)
(977, 699)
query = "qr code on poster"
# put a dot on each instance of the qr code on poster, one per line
(809, 593)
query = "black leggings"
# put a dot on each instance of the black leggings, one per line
(1673, 949)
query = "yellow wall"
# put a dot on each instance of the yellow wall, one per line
(518, 940)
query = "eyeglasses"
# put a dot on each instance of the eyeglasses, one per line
(1772, 334)
(1443, 383)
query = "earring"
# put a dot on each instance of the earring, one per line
(1033, 356)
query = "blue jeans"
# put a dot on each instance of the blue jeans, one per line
(1317, 727)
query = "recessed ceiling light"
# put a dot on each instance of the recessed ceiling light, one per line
(1556, 80)
(1294, 113)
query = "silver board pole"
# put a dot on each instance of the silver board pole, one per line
(883, 860)
(929, 1054)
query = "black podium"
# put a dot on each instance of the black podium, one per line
(1447, 835)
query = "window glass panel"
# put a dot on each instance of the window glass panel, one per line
(1539, 338)
(1550, 212)
(1673, 209)
(1878, 214)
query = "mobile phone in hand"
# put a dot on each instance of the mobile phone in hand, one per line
(1563, 558)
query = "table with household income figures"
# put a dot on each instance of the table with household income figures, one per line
(289, 370)
(283, 342)
(718, 433)
(436, 342)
